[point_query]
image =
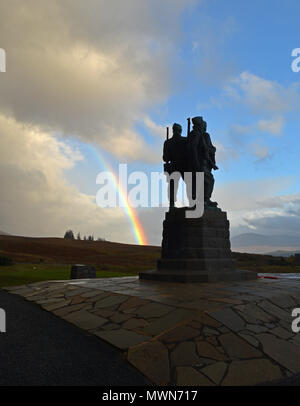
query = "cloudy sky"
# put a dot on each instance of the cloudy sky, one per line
(91, 83)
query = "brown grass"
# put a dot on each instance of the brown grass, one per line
(113, 256)
(60, 250)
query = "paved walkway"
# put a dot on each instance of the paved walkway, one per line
(42, 349)
(185, 334)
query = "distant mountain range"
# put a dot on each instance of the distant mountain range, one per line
(252, 239)
(280, 253)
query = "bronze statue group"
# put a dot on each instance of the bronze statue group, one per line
(191, 154)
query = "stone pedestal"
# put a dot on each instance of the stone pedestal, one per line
(196, 250)
(80, 271)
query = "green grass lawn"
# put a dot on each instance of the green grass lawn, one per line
(21, 274)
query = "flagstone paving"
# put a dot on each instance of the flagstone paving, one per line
(231, 333)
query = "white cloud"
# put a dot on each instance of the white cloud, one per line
(250, 199)
(36, 198)
(225, 153)
(260, 151)
(262, 95)
(155, 129)
(258, 207)
(273, 126)
(89, 69)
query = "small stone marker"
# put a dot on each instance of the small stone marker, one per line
(80, 271)
(297, 259)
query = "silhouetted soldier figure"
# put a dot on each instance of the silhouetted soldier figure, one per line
(211, 149)
(201, 154)
(175, 156)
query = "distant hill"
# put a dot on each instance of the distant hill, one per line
(253, 239)
(64, 251)
(3, 233)
(110, 256)
(280, 253)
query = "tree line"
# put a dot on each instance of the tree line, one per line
(69, 235)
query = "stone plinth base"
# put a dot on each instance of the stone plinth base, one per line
(196, 250)
(197, 276)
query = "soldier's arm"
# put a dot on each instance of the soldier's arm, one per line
(212, 152)
(207, 147)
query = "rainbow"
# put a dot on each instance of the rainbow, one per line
(136, 225)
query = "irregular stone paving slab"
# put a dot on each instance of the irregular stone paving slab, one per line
(170, 320)
(250, 339)
(233, 333)
(110, 326)
(35, 298)
(212, 340)
(23, 291)
(285, 324)
(206, 320)
(76, 292)
(237, 348)
(85, 320)
(152, 359)
(132, 302)
(185, 354)
(207, 350)
(255, 328)
(215, 372)
(227, 300)
(57, 305)
(283, 301)
(134, 324)
(208, 331)
(68, 309)
(284, 352)
(89, 294)
(171, 302)
(153, 310)
(110, 301)
(103, 312)
(122, 338)
(273, 309)
(47, 301)
(229, 318)
(251, 372)
(119, 317)
(254, 314)
(181, 333)
(281, 332)
(296, 338)
(77, 300)
(97, 298)
(187, 376)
